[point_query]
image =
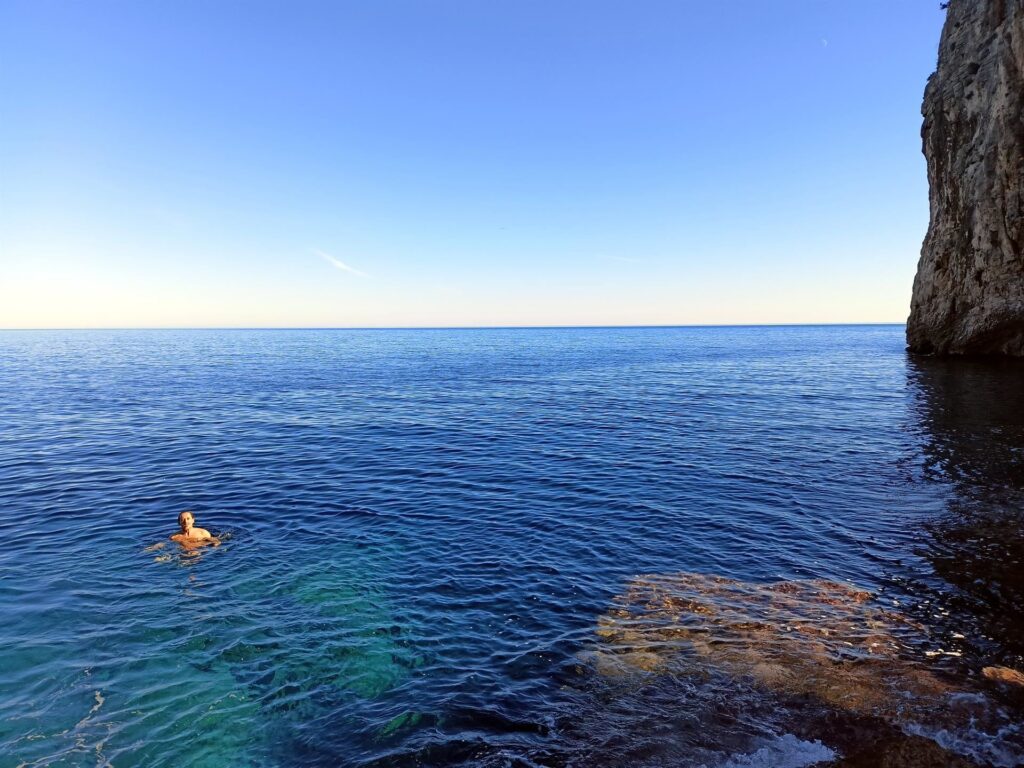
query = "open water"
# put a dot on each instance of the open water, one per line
(423, 530)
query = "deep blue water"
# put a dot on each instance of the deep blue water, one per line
(422, 527)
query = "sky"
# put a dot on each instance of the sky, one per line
(185, 163)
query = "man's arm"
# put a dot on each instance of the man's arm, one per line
(205, 535)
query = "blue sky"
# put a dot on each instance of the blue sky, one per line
(480, 162)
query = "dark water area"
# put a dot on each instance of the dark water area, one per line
(425, 531)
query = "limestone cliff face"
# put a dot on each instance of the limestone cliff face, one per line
(969, 290)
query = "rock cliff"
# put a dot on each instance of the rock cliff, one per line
(969, 291)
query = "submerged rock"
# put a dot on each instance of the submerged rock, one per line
(968, 295)
(1004, 675)
(806, 638)
(821, 657)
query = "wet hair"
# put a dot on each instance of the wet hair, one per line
(181, 515)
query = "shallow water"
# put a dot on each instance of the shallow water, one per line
(424, 529)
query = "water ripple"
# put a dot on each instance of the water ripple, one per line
(422, 530)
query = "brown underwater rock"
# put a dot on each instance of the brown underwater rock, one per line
(968, 295)
(800, 638)
(1004, 675)
(829, 663)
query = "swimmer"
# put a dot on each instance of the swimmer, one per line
(191, 536)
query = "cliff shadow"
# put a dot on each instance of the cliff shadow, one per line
(970, 413)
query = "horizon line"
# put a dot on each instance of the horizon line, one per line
(439, 327)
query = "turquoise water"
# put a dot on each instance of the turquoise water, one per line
(422, 528)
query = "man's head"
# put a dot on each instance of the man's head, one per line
(186, 521)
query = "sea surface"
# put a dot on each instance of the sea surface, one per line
(424, 532)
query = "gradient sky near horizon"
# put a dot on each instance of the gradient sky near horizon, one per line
(461, 162)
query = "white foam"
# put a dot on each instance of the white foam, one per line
(785, 751)
(1001, 749)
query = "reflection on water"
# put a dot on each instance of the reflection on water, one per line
(972, 422)
(971, 412)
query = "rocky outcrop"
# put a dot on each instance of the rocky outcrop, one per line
(827, 661)
(815, 640)
(969, 291)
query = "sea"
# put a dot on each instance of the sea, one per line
(665, 546)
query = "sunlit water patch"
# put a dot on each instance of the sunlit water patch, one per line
(427, 536)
